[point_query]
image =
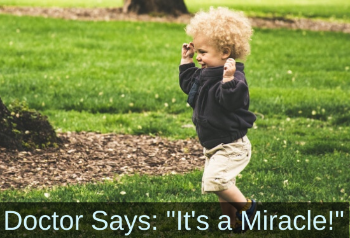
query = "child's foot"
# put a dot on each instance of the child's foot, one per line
(250, 209)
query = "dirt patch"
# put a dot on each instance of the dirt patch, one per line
(92, 157)
(116, 14)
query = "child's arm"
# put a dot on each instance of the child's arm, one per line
(233, 93)
(187, 68)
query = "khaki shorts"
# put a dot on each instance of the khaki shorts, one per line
(223, 163)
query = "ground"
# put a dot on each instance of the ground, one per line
(110, 14)
(87, 157)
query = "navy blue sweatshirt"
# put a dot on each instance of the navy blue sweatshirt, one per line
(220, 110)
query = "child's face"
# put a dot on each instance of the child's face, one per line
(208, 55)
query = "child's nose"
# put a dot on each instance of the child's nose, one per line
(198, 58)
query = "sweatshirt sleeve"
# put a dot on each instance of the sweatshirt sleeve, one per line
(187, 76)
(234, 94)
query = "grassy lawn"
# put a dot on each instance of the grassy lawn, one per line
(122, 77)
(87, 79)
(325, 9)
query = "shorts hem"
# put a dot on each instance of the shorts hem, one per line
(218, 188)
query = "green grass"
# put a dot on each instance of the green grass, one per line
(291, 162)
(63, 3)
(325, 9)
(122, 77)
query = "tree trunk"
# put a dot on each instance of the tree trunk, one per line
(168, 7)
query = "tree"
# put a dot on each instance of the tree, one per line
(168, 7)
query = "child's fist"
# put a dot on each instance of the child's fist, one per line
(229, 69)
(187, 50)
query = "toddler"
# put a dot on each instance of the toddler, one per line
(218, 93)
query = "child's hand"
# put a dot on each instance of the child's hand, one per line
(187, 53)
(187, 50)
(229, 70)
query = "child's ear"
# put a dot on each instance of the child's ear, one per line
(226, 53)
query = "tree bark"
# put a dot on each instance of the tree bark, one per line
(159, 7)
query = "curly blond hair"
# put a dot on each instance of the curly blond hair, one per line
(225, 27)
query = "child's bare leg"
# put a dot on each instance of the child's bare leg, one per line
(228, 210)
(233, 196)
